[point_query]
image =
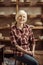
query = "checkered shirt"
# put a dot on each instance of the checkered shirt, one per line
(23, 37)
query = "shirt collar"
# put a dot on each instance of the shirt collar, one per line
(24, 25)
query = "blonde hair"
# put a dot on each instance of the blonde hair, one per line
(21, 12)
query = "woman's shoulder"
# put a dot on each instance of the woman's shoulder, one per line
(28, 26)
(12, 26)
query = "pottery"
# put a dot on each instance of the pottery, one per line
(27, 0)
(33, 3)
(0, 35)
(41, 0)
(41, 37)
(13, 0)
(21, 0)
(38, 23)
(1, 0)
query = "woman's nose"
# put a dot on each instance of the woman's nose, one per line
(22, 18)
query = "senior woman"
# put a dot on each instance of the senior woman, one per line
(22, 39)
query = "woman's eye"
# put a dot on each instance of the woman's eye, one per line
(23, 16)
(19, 17)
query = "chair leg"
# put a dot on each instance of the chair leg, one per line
(19, 62)
(15, 61)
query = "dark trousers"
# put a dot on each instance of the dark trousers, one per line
(27, 59)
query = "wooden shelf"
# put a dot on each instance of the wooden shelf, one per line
(38, 40)
(1, 46)
(7, 16)
(5, 39)
(38, 52)
(9, 51)
(1, 28)
(26, 4)
(29, 16)
(11, 4)
(38, 27)
(35, 16)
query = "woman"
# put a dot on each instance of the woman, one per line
(22, 39)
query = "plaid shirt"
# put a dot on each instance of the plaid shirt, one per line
(22, 37)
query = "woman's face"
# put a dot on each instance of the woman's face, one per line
(21, 19)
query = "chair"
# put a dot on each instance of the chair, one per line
(10, 53)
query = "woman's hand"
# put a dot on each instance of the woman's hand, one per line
(33, 53)
(24, 51)
(30, 53)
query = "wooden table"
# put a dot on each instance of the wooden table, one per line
(1, 53)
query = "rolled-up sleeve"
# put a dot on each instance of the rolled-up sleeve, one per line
(31, 38)
(12, 37)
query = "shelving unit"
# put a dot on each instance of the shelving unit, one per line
(12, 8)
(38, 27)
(17, 5)
(21, 4)
(28, 4)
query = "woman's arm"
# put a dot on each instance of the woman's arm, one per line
(22, 50)
(32, 41)
(33, 49)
